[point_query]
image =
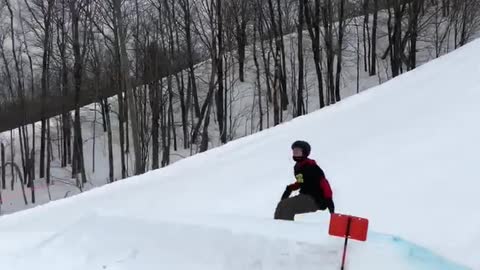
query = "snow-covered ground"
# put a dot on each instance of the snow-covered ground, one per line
(244, 122)
(403, 154)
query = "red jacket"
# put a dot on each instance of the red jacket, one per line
(311, 180)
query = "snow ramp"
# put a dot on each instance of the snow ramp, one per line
(121, 243)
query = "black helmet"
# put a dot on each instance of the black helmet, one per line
(304, 146)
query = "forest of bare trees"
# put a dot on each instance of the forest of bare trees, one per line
(161, 76)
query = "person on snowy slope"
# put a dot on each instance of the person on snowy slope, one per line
(315, 191)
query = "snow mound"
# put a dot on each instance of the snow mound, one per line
(114, 242)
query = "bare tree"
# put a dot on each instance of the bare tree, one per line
(279, 51)
(187, 11)
(4, 184)
(118, 17)
(366, 36)
(61, 23)
(239, 10)
(79, 51)
(312, 18)
(373, 61)
(258, 83)
(45, 10)
(327, 12)
(341, 30)
(22, 131)
(300, 104)
(208, 35)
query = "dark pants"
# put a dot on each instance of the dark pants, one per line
(300, 204)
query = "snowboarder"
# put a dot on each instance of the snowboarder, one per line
(315, 191)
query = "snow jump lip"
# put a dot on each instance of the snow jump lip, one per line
(221, 243)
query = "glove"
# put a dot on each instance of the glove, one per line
(286, 194)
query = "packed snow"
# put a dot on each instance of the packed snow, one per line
(404, 155)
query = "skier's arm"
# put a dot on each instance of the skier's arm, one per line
(330, 206)
(326, 189)
(294, 186)
(318, 172)
(289, 189)
(309, 173)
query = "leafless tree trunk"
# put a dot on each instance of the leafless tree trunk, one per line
(366, 51)
(358, 57)
(184, 106)
(12, 159)
(20, 90)
(265, 59)
(414, 10)
(152, 73)
(207, 106)
(49, 160)
(220, 94)
(373, 62)
(118, 15)
(395, 36)
(300, 104)
(279, 51)
(327, 11)
(204, 141)
(312, 19)
(210, 39)
(283, 78)
(341, 17)
(240, 9)
(106, 112)
(47, 16)
(172, 134)
(4, 184)
(62, 47)
(79, 164)
(29, 155)
(258, 79)
(163, 125)
(121, 129)
(187, 16)
(15, 168)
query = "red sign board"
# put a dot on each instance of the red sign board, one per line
(356, 230)
(348, 227)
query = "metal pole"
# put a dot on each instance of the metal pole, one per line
(346, 242)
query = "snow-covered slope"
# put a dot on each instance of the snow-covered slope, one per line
(404, 154)
(243, 114)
